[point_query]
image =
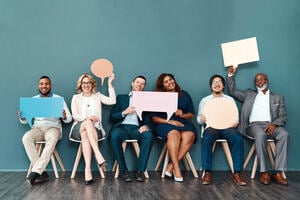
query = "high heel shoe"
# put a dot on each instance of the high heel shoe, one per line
(168, 174)
(178, 179)
(103, 164)
(89, 182)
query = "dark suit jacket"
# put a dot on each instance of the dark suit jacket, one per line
(116, 113)
(247, 97)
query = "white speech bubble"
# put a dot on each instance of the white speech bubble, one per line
(41, 107)
(240, 51)
(155, 102)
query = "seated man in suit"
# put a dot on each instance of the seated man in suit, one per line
(263, 116)
(126, 126)
(211, 134)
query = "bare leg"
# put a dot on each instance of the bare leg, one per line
(92, 135)
(187, 140)
(173, 144)
(87, 155)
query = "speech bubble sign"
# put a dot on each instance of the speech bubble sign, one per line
(240, 51)
(102, 68)
(155, 102)
(220, 113)
(41, 107)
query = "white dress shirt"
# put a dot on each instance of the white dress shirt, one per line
(261, 108)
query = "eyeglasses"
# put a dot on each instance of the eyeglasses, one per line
(217, 82)
(86, 83)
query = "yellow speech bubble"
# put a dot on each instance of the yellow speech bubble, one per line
(102, 68)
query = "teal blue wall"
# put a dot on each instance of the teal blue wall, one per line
(61, 38)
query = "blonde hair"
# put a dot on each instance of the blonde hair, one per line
(91, 79)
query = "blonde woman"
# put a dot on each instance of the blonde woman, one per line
(87, 126)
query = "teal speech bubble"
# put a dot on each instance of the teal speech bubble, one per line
(41, 107)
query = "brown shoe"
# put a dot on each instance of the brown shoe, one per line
(207, 178)
(278, 178)
(238, 179)
(265, 178)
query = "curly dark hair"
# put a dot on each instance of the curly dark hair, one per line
(159, 83)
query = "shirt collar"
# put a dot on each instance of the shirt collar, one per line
(267, 92)
(217, 97)
(50, 95)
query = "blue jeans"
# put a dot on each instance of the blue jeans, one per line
(235, 140)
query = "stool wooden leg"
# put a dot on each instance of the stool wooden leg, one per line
(115, 166)
(56, 154)
(161, 156)
(165, 165)
(270, 156)
(77, 160)
(254, 168)
(185, 163)
(214, 146)
(228, 155)
(251, 152)
(271, 152)
(191, 164)
(54, 166)
(117, 171)
(272, 147)
(101, 172)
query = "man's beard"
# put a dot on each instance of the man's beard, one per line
(45, 94)
(262, 88)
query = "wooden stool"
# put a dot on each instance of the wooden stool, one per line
(271, 149)
(78, 157)
(187, 160)
(226, 150)
(137, 152)
(55, 154)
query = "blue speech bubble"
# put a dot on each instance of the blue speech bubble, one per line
(41, 107)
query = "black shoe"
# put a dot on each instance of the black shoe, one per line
(42, 178)
(32, 177)
(89, 182)
(126, 176)
(139, 176)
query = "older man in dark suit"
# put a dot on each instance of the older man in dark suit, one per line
(263, 116)
(126, 126)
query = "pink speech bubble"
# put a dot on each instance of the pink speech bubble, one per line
(102, 68)
(220, 113)
(155, 102)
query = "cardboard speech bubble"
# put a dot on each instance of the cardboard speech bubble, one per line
(155, 102)
(41, 107)
(240, 51)
(220, 113)
(102, 68)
